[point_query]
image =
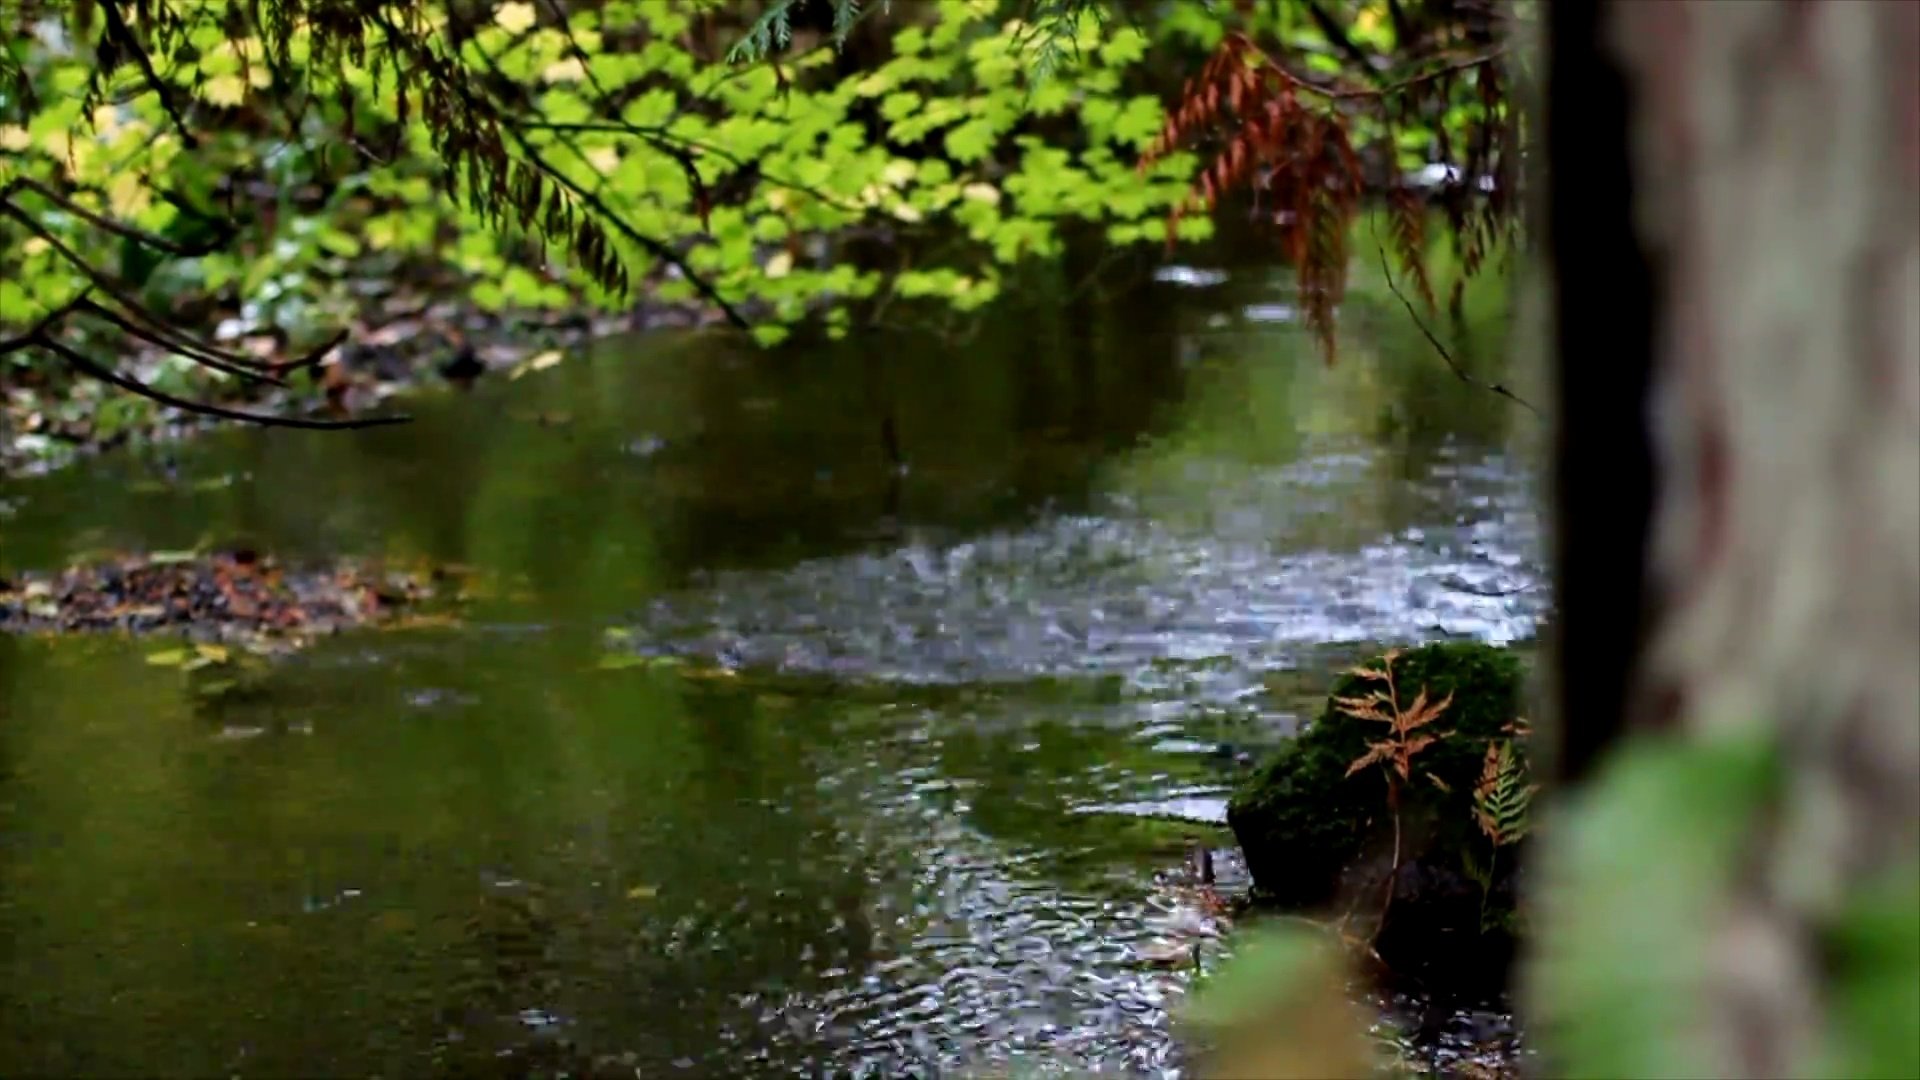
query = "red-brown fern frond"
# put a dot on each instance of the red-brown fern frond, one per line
(1287, 140)
(1294, 155)
(1407, 221)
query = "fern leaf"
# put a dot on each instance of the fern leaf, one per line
(1376, 752)
(1407, 220)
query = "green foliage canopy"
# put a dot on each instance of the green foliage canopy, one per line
(610, 146)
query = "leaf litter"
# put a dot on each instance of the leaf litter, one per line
(222, 598)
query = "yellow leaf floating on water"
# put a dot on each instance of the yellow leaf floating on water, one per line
(212, 654)
(536, 362)
(167, 658)
(642, 892)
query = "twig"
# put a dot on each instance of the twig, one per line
(143, 324)
(653, 246)
(155, 331)
(1459, 372)
(88, 366)
(117, 28)
(165, 338)
(101, 221)
(34, 332)
(1338, 93)
(659, 135)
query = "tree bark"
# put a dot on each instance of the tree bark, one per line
(1775, 189)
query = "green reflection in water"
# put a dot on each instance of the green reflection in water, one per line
(469, 850)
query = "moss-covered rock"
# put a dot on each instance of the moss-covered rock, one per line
(1316, 836)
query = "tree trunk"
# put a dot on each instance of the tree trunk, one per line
(1771, 373)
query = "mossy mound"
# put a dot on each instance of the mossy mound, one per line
(1315, 836)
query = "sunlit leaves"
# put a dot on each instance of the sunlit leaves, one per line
(735, 167)
(515, 16)
(1632, 894)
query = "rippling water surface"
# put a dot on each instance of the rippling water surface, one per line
(911, 786)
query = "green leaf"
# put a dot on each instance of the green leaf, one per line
(971, 141)
(1268, 964)
(1873, 956)
(1139, 123)
(1630, 897)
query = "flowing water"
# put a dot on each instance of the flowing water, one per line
(908, 785)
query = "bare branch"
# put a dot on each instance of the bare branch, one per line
(312, 358)
(34, 333)
(1459, 372)
(101, 221)
(153, 329)
(122, 35)
(661, 138)
(173, 342)
(88, 366)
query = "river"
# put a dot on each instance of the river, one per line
(759, 753)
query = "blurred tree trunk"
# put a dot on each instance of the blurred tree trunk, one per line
(1735, 231)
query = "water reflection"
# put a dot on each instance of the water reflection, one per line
(876, 846)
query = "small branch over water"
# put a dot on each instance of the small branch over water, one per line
(1386, 267)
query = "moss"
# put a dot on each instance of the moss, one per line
(1304, 824)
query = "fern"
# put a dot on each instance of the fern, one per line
(1404, 740)
(1502, 797)
(1502, 802)
(1287, 140)
(773, 31)
(1395, 753)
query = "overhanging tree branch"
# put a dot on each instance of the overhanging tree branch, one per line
(652, 246)
(103, 222)
(119, 36)
(86, 365)
(1461, 373)
(154, 330)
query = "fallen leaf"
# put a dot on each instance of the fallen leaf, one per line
(536, 362)
(643, 892)
(167, 658)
